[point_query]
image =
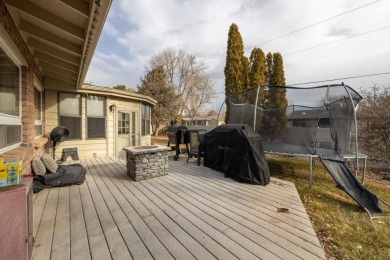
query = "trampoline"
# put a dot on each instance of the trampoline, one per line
(315, 122)
(312, 122)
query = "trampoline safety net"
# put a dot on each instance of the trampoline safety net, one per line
(317, 120)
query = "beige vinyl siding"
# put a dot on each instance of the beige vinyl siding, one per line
(88, 148)
(85, 148)
(121, 104)
(51, 111)
(110, 129)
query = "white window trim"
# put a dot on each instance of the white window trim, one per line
(150, 119)
(104, 116)
(9, 148)
(66, 115)
(9, 119)
(38, 121)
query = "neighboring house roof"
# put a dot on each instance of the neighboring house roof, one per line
(198, 118)
(116, 93)
(308, 114)
(61, 36)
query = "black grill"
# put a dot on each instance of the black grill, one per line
(177, 135)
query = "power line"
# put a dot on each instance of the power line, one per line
(314, 24)
(347, 38)
(351, 77)
(326, 80)
(303, 28)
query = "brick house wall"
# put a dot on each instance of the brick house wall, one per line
(28, 105)
(30, 146)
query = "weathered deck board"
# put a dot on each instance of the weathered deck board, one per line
(61, 235)
(238, 198)
(109, 215)
(192, 213)
(78, 233)
(44, 235)
(143, 206)
(97, 241)
(267, 226)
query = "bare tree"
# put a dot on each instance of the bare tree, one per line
(373, 122)
(200, 91)
(181, 69)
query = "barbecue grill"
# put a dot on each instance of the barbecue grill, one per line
(196, 144)
(176, 135)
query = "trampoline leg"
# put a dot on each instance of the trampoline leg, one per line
(364, 170)
(310, 173)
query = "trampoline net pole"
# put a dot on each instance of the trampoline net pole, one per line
(254, 116)
(356, 136)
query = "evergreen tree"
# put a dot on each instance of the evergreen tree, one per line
(276, 101)
(278, 78)
(245, 73)
(257, 77)
(236, 67)
(154, 84)
(257, 74)
(269, 66)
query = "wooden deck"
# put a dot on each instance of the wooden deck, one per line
(192, 213)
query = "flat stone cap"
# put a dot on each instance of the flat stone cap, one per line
(146, 149)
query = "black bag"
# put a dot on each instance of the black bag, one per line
(66, 175)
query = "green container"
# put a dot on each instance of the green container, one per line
(12, 177)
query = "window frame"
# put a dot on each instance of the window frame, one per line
(123, 130)
(144, 120)
(12, 120)
(38, 122)
(104, 116)
(67, 116)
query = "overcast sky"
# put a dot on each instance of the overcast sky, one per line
(135, 30)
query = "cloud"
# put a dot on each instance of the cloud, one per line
(135, 30)
(346, 32)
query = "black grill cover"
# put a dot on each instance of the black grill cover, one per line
(65, 175)
(237, 151)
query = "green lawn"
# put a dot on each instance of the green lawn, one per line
(343, 227)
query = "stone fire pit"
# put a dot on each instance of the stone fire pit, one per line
(146, 161)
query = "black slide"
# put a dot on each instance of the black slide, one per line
(347, 182)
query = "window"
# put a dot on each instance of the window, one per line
(96, 117)
(38, 112)
(10, 119)
(70, 113)
(123, 123)
(145, 119)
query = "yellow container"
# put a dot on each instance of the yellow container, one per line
(10, 172)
